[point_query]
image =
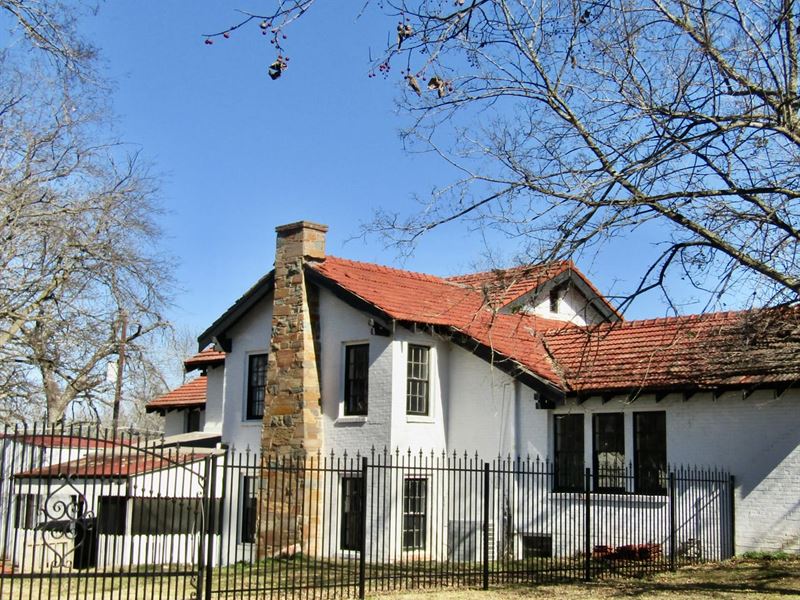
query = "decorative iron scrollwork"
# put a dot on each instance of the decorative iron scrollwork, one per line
(65, 519)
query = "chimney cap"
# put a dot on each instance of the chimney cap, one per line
(301, 225)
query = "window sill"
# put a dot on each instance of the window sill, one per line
(350, 420)
(420, 419)
(252, 422)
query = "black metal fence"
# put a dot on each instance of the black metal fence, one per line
(85, 514)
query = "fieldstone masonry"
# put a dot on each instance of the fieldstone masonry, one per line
(292, 428)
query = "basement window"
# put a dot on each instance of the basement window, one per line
(537, 545)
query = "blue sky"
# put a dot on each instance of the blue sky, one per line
(240, 154)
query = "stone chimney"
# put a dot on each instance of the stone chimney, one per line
(291, 433)
(292, 413)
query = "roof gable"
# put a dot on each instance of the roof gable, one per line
(506, 287)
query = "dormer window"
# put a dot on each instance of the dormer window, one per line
(555, 299)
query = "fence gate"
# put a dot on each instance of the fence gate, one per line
(84, 514)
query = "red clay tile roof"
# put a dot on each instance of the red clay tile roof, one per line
(503, 286)
(430, 300)
(109, 463)
(716, 350)
(191, 394)
(207, 358)
(706, 351)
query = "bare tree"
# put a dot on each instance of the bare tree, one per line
(573, 122)
(78, 235)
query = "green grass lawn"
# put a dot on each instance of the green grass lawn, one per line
(775, 576)
(751, 578)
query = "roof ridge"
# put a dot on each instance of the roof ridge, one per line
(383, 268)
(490, 272)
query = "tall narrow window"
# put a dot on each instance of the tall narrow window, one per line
(352, 505)
(650, 452)
(568, 454)
(609, 452)
(356, 379)
(256, 385)
(415, 500)
(249, 500)
(418, 380)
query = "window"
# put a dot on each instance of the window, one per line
(415, 496)
(609, 452)
(417, 380)
(256, 385)
(537, 545)
(192, 421)
(249, 499)
(650, 452)
(352, 507)
(555, 299)
(111, 515)
(26, 509)
(153, 516)
(568, 466)
(356, 379)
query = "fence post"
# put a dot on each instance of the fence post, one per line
(362, 544)
(672, 524)
(211, 521)
(587, 525)
(201, 548)
(732, 509)
(486, 526)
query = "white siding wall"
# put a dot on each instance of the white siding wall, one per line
(756, 439)
(417, 432)
(341, 324)
(490, 413)
(212, 419)
(249, 336)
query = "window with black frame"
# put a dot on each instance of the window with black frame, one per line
(650, 452)
(417, 381)
(249, 500)
(568, 463)
(415, 516)
(256, 385)
(356, 379)
(352, 505)
(609, 452)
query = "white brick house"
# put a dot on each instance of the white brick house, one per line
(528, 361)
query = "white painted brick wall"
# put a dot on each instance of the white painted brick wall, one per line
(249, 336)
(756, 439)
